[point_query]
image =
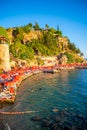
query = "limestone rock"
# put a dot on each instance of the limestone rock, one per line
(31, 35)
(62, 59)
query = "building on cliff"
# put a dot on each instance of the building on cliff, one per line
(4, 54)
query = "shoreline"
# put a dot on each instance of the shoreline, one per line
(10, 81)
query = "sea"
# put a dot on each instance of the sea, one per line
(50, 102)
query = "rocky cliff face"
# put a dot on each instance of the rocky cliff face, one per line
(10, 36)
(62, 59)
(31, 35)
(62, 43)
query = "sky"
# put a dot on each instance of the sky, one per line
(70, 15)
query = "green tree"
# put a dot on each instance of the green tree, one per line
(47, 26)
(50, 42)
(3, 32)
(30, 25)
(70, 57)
(52, 31)
(27, 28)
(72, 47)
(81, 54)
(57, 27)
(78, 51)
(18, 33)
(21, 51)
(36, 26)
(58, 31)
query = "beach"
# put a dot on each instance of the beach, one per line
(11, 80)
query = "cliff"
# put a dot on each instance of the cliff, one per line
(28, 42)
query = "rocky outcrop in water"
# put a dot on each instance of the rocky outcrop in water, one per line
(62, 120)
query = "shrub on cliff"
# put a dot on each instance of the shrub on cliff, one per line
(3, 32)
(70, 57)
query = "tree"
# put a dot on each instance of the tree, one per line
(30, 25)
(36, 26)
(81, 54)
(78, 51)
(50, 42)
(21, 51)
(72, 47)
(70, 57)
(57, 27)
(3, 32)
(58, 32)
(27, 28)
(47, 26)
(52, 31)
(18, 33)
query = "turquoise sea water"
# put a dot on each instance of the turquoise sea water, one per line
(59, 101)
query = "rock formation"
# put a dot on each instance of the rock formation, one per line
(62, 59)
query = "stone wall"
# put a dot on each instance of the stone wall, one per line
(4, 57)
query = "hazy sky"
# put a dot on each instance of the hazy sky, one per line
(70, 15)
